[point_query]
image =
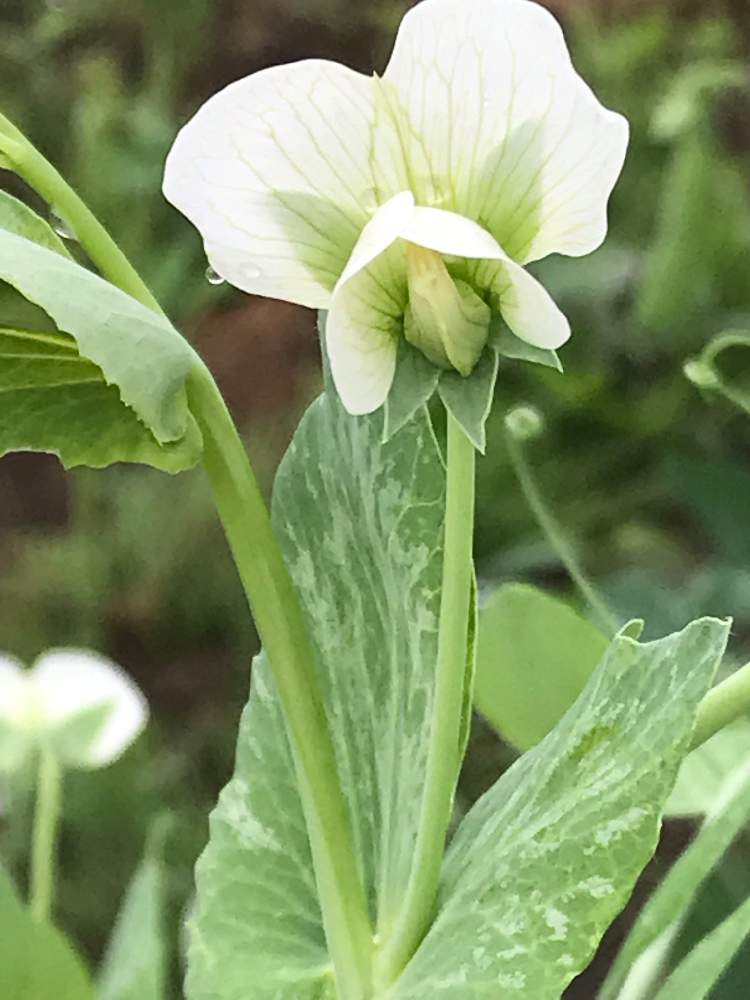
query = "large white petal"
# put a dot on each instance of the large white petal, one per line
(276, 172)
(514, 138)
(70, 682)
(367, 309)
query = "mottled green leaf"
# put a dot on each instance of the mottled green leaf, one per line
(52, 399)
(360, 523)
(548, 857)
(534, 657)
(137, 351)
(135, 963)
(36, 961)
(668, 906)
(470, 399)
(696, 975)
(16, 217)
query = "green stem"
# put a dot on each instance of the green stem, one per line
(722, 705)
(556, 536)
(46, 819)
(282, 630)
(269, 590)
(443, 755)
(39, 173)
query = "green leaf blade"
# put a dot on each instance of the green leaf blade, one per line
(55, 401)
(669, 904)
(697, 974)
(135, 963)
(16, 217)
(136, 350)
(534, 657)
(360, 523)
(547, 858)
(36, 960)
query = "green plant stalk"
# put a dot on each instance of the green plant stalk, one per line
(282, 630)
(43, 846)
(269, 590)
(39, 173)
(444, 753)
(556, 536)
(722, 705)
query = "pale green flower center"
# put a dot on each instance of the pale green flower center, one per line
(445, 318)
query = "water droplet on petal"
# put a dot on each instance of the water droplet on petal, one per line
(213, 277)
(252, 270)
(61, 227)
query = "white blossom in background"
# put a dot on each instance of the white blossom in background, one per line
(80, 705)
(407, 204)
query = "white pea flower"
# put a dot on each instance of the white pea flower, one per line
(407, 204)
(76, 703)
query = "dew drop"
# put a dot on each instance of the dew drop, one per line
(252, 270)
(61, 227)
(213, 277)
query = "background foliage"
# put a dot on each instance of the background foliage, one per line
(650, 477)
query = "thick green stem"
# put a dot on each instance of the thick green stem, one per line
(39, 173)
(443, 757)
(43, 848)
(556, 536)
(269, 590)
(282, 630)
(723, 704)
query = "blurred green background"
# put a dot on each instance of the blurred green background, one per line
(650, 477)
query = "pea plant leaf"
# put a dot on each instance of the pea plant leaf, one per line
(700, 971)
(108, 386)
(36, 960)
(16, 217)
(534, 657)
(360, 522)
(668, 905)
(547, 858)
(135, 963)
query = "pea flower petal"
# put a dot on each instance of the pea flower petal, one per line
(275, 172)
(407, 205)
(513, 136)
(77, 702)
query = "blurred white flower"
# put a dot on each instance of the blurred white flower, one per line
(407, 205)
(80, 705)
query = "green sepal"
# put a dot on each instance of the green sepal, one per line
(414, 383)
(470, 399)
(510, 346)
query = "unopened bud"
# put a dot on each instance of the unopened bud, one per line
(524, 422)
(701, 374)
